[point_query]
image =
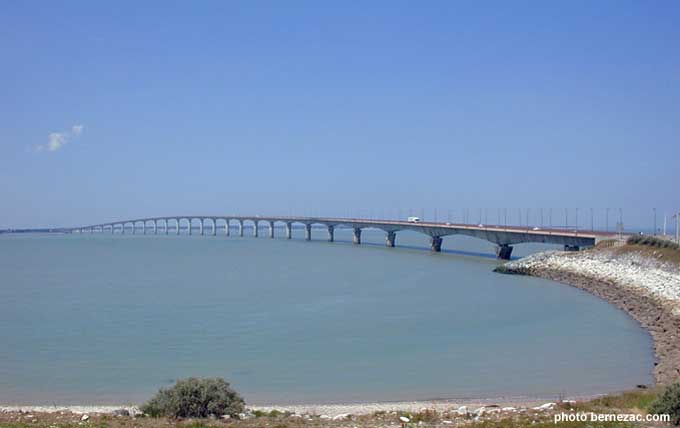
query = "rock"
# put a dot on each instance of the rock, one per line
(226, 416)
(135, 412)
(546, 406)
(462, 410)
(324, 417)
(341, 417)
(446, 422)
(85, 417)
(121, 412)
(508, 409)
(404, 419)
(480, 411)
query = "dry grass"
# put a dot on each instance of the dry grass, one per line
(669, 255)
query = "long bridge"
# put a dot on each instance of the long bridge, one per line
(504, 237)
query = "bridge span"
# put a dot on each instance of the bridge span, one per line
(504, 237)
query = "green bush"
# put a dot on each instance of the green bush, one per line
(668, 403)
(195, 398)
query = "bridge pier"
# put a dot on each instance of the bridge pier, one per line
(214, 227)
(226, 227)
(155, 227)
(571, 248)
(308, 232)
(504, 251)
(240, 228)
(271, 230)
(144, 227)
(390, 239)
(436, 243)
(356, 236)
(200, 226)
(289, 230)
(331, 233)
(256, 229)
(177, 221)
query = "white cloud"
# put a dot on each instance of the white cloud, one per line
(57, 140)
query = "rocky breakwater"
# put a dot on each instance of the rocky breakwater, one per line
(643, 281)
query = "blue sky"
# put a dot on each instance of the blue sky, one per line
(360, 108)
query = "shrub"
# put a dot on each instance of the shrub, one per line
(668, 403)
(197, 398)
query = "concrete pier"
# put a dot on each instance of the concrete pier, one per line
(390, 239)
(226, 227)
(331, 233)
(256, 229)
(356, 236)
(214, 227)
(308, 232)
(504, 251)
(177, 221)
(436, 243)
(240, 228)
(271, 229)
(289, 230)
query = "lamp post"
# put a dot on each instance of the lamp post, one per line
(654, 211)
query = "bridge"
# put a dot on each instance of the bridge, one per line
(504, 237)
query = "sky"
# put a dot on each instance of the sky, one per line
(114, 110)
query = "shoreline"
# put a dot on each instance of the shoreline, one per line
(635, 280)
(329, 409)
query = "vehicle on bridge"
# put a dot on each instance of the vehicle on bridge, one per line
(413, 219)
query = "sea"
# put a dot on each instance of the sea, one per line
(110, 319)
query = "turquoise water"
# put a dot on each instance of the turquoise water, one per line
(109, 319)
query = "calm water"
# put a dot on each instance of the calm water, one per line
(102, 319)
